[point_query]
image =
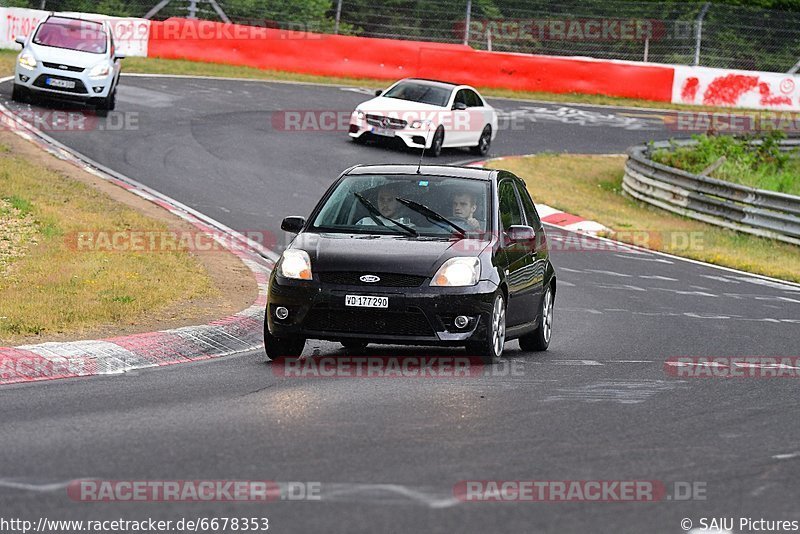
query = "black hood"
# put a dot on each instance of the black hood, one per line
(383, 254)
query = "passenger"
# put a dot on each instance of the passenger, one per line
(464, 207)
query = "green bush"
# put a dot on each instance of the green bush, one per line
(762, 165)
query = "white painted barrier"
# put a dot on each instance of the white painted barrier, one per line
(131, 35)
(735, 88)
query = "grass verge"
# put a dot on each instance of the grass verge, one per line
(196, 68)
(591, 186)
(763, 166)
(48, 288)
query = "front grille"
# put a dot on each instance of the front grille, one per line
(378, 322)
(59, 66)
(350, 278)
(393, 123)
(79, 87)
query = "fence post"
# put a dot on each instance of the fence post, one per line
(468, 21)
(699, 35)
(192, 9)
(338, 17)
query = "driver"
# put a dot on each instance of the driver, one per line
(389, 207)
(464, 207)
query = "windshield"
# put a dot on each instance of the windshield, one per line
(461, 201)
(420, 92)
(71, 34)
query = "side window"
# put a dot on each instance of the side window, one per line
(461, 97)
(510, 213)
(473, 100)
(527, 205)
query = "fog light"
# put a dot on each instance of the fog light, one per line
(24, 78)
(461, 321)
(98, 89)
(281, 313)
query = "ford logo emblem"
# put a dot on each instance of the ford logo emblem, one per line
(370, 278)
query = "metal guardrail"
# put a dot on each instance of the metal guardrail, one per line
(738, 207)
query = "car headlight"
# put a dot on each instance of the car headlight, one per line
(296, 264)
(27, 60)
(458, 272)
(100, 71)
(420, 124)
(359, 115)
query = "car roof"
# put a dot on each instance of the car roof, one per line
(450, 171)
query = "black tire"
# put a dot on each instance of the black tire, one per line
(436, 143)
(485, 141)
(539, 340)
(490, 350)
(282, 348)
(354, 345)
(19, 94)
(106, 104)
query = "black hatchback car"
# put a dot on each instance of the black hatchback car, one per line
(401, 254)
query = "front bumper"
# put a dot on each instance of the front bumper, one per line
(85, 89)
(416, 315)
(411, 137)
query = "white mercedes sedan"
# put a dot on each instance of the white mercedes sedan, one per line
(427, 114)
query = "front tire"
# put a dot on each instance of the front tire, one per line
(281, 348)
(490, 350)
(539, 340)
(19, 94)
(436, 144)
(107, 104)
(485, 141)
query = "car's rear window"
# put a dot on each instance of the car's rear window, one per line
(344, 212)
(420, 92)
(71, 34)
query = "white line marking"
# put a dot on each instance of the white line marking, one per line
(609, 273)
(41, 488)
(786, 456)
(630, 256)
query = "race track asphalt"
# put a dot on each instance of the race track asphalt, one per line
(599, 405)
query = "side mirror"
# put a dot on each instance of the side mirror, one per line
(379, 92)
(20, 40)
(459, 106)
(293, 224)
(522, 234)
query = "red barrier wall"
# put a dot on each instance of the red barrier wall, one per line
(360, 57)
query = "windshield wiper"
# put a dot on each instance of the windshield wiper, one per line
(375, 215)
(429, 213)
